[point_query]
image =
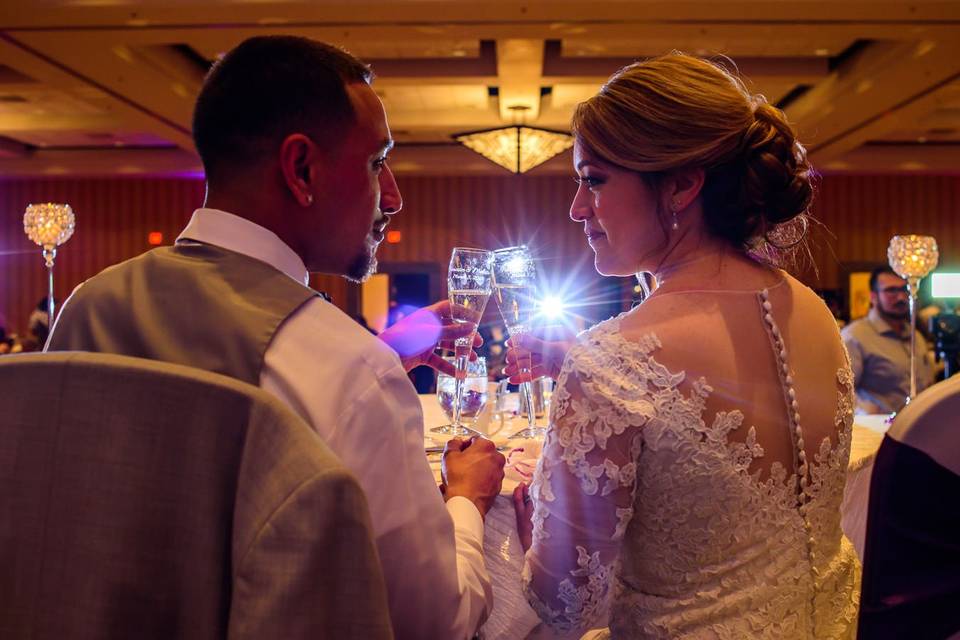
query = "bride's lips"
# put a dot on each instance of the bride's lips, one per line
(594, 235)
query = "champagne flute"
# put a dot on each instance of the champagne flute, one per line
(514, 284)
(469, 283)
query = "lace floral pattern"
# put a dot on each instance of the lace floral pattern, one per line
(682, 539)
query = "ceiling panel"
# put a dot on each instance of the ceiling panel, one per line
(122, 76)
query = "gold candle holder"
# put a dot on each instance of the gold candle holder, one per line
(49, 225)
(912, 257)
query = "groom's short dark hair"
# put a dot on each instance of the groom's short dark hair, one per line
(267, 88)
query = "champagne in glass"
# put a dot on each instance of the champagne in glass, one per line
(515, 279)
(516, 303)
(469, 282)
(468, 306)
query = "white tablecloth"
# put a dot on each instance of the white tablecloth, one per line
(511, 617)
(865, 440)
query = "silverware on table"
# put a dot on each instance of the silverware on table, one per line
(439, 449)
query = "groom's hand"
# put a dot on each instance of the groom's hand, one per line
(473, 469)
(416, 337)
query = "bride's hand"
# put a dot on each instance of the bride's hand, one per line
(541, 352)
(524, 510)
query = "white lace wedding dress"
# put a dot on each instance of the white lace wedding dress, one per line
(704, 502)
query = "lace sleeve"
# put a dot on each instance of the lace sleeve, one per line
(583, 489)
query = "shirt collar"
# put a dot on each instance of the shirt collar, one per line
(225, 230)
(881, 326)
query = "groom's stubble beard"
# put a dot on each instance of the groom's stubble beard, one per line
(363, 266)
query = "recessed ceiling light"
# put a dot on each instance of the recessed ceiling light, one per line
(123, 53)
(821, 52)
(924, 48)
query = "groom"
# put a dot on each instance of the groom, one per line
(294, 144)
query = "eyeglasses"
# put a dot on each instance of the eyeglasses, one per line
(895, 290)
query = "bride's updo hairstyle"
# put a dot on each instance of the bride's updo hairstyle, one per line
(677, 111)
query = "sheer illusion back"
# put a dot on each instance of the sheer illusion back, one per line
(691, 481)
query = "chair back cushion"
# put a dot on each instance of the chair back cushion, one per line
(140, 499)
(911, 560)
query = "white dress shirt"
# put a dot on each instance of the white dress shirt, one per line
(352, 389)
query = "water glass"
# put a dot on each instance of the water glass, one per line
(473, 398)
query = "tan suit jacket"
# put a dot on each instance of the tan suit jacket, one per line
(146, 500)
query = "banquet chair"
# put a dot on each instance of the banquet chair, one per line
(146, 500)
(911, 563)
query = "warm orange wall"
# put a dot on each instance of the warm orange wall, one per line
(115, 215)
(863, 212)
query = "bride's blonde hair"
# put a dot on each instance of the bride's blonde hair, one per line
(678, 111)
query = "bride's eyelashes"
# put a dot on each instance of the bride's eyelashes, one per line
(590, 181)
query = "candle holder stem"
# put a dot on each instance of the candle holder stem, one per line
(50, 303)
(913, 287)
(49, 254)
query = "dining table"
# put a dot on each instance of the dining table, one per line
(511, 617)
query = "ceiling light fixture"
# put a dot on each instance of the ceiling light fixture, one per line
(517, 148)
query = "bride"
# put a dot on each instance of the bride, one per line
(691, 479)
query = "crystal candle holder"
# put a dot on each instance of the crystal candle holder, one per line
(912, 257)
(49, 225)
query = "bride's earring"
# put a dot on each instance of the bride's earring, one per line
(676, 223)
(310, 200)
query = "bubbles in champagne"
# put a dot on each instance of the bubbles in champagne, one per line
(467, 306)
(517, 304)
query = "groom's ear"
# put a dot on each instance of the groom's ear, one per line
(297, 156)
(683, 186)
